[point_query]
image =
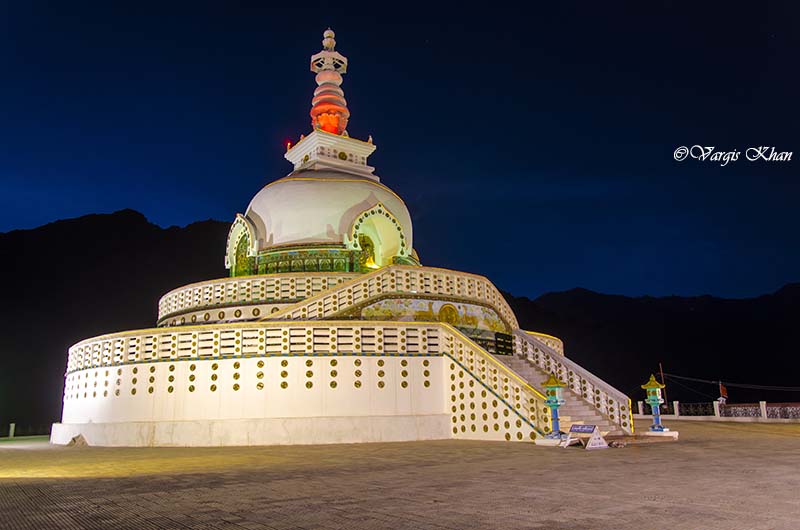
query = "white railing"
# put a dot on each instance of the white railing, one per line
(606, 399)
(401, 279)
(257, 339)
(554, 342)
(212, 294)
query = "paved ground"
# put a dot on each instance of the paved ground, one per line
(719, 476)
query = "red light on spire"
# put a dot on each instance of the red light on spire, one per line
(328, 106)
(288, 144)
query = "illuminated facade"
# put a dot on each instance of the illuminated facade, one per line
(328, 329)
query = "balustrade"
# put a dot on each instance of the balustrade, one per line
(606, 399)
(225, 292)
(400, 279)
(230, 341)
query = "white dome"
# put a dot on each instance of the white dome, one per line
(319, 207)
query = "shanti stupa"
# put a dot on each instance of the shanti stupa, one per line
(328, 329)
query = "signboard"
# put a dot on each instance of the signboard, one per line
(578, 434)
(582, 428)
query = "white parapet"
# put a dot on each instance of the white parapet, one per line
(293, 382)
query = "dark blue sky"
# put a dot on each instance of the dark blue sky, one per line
(532, 144)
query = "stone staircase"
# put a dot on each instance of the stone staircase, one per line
(575, 410)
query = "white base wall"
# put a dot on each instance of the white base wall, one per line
(299, 399)
(261, 431)
(178, 390)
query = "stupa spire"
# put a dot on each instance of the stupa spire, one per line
(328, 146)
(328, 107)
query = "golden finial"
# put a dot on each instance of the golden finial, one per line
(328, 41)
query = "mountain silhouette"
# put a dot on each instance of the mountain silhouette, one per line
(622, 339)
(77, 278)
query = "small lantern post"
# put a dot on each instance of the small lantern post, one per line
(653, 389)
(554, 389)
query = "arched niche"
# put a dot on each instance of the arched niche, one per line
(378, 234)
(240, 250)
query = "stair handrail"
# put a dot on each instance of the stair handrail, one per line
(554, 342)
(603, 397)
(295, 311)
(287, 313)
(537, 415)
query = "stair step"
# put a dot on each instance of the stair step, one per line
(576, 410)
(590, 421)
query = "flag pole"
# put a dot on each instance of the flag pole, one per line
(661, 369)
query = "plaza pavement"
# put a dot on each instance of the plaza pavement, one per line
(718, 476)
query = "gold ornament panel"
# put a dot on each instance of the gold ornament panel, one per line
(470, 318)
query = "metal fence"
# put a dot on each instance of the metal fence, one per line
(787, 411)
(740, 410)
(696, 409)
(762, 409)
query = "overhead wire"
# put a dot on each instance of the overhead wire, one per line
(737, 385)
(690, 389)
